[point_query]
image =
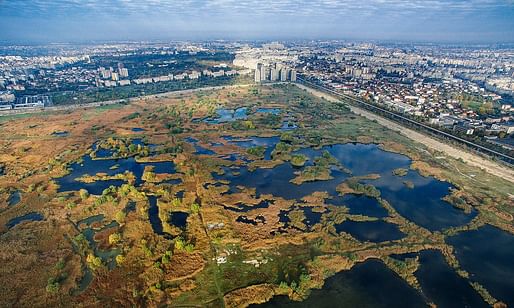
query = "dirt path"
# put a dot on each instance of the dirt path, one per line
(470, 158)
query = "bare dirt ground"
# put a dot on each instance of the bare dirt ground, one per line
(470, 158)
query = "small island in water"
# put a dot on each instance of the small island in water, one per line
(262, 195)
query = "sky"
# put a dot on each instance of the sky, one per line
(449, 21)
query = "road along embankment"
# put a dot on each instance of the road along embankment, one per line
(430, 142)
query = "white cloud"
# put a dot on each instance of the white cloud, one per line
(246, 7)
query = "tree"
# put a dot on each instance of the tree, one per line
(114, 238)
(298, 160)
(189, 248)
(52, 285)
(179, 244)
(93, 261)
(60, 264)
(195, 208)
(257, 151)
(166, 258)
(120, 259)
(286, 137)
(176, 202)
(120, 216)
(84, 194)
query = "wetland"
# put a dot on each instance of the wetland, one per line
(262, 195)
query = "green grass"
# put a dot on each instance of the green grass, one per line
(5, 118)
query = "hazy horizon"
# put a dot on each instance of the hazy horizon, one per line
(475, 21)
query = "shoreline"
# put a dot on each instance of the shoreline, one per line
(432, 143)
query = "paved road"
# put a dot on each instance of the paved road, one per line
(470, 158)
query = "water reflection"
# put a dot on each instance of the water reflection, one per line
(441, 284)
(368, 284)
(33, 216)
(372, 231)
(487, 255)
(422, 203)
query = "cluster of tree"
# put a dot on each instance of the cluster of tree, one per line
(195, 208)
(132, 116)
(257, 151)
(400, 171)
(282, 149)
(182, 245)
(174, 120)
(271, 120)
(122, 148)
(54, 283)
(243, 125)
(145, 248)
(300, 288)
(114, 238)
(365, 189)
(93, 261)
(134, 90)
(298, 160)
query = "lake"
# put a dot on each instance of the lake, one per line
(367, 284)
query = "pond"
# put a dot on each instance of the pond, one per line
(109, 167)
(287, 125)
(243, 208)
(153, 214)
(131, 207)
(276, 181)
(422, 203)
(137, 129)
(311, 217)
(33, 216)
(371, 231)
(360, 159)
(268, 142)
(14, 198)
(178, 219)
(108, 256)
(368, 284)
(488, 254)
(274, 111)
(442, 285)
(199, 150)
(203, 151)
(85, 281)
(228, 115)
(360, 205)
(259, 219)
(60, 134)
(91, 219)
(289, 122)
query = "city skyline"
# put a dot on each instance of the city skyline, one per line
(246, 153)
(476, 21)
